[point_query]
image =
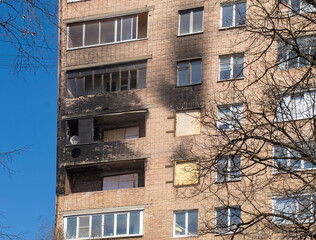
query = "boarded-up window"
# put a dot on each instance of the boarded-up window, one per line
(120, 181)
(188, 123)
(186, 173)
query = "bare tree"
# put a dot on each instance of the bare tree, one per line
(257, 152)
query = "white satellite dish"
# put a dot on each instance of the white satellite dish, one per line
(74, 140)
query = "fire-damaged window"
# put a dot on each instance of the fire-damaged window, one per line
(108, 31)
(106, 128)
(106, 176)
(105, 79)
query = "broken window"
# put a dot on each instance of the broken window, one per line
(106, 128)
(186, 173)
(106, 31)
(107, 176)
(106, 79)
(188, 123)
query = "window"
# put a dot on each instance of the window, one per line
(189, 73)
(108, 31)
(230, 117)
(118, 224)
(185, 223)
(191, 21)
(227, 219)
(228, 168)
(188, 123)
(186, 173)
(120, 181)
(233, 15)
(295, 106)
(231, 67)
(106, 79)
(296, 7)
(288, 58)
(300, 208)
(286, 159)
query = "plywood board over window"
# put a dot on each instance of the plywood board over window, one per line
(188, 123)
(186, 173)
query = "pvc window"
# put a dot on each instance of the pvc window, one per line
(233, 15)
(189, 73)
(107, 31)
(231, 67)
(185, 223)
(229, 117)
(296, 7)
(227, 219)
(108, 225)
(191, 21)
(228, 168)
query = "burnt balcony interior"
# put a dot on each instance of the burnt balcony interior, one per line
(107, 128)
(105, 176)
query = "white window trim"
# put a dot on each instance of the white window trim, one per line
(141, 224)
(191, 22)
(71, 1)
(231, 72)
(186, 223)
(229, 169)
(217, 232)
(115, 32)
(234, 15)
(230, 106)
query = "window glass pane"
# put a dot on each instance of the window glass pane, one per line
(198, 20)
(180, 224)
(84, 223)
(305, 208)
(96, 230)
(238, 66)
(127, 28)
(124, 80)
(79, 91)
(142, 25)
(224, 68)
(234, 216)
(142, 78)
(224, 118)
(193, 222)
(71, 87)
(295, 5)
(88, 85)
(286, 207)
(107, 30)
(110, 183)
(71, 228)
(184, 22)
(134, 223)
(97, 84)
(133, 79)
(292, 60)
(134, 27)
(75, 35)
(227, 16)
(108, 225)
(235, 167)
(115, 82)
(132, 132)
(121, 227)
(196, 72)
(240, 16)
(280, 154)
(107, 87)
(119, 27)
(183, 75)
(221, 219)
(91, 33)
(221, 169)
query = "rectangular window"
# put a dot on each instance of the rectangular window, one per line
(227, 219)
(231, 67)
(229, 117)
(120, 224)
(295, 106)
(107, 31)
(101, 80)
(188, 123)
(288, 58)
(228, 169)
(185, 223)
(189, 73)
(191, 21)
(295, 7)
(300, 208)
(186, 173)
(233, 15)
(286, 159)
(120, 181)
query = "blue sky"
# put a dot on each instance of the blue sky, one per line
(28, 117)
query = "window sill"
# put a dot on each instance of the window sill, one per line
(185, 236)
(189, 34)
(190, 85)
(230, 79)
(274, 172)
(102, 142)
(74, 1)
(232, 27)
(106, 44)
(228, 181)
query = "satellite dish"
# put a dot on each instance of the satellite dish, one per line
(74, 140)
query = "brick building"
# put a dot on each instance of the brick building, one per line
(133, 78)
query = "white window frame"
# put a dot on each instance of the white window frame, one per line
(191, 22)
(231, 66)
(234, 109)
(289, 9)
(234, 15)
(186, 223)
(229, 175)
(115, 31)
(229, 218)
(312, 198)
(141, 223)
